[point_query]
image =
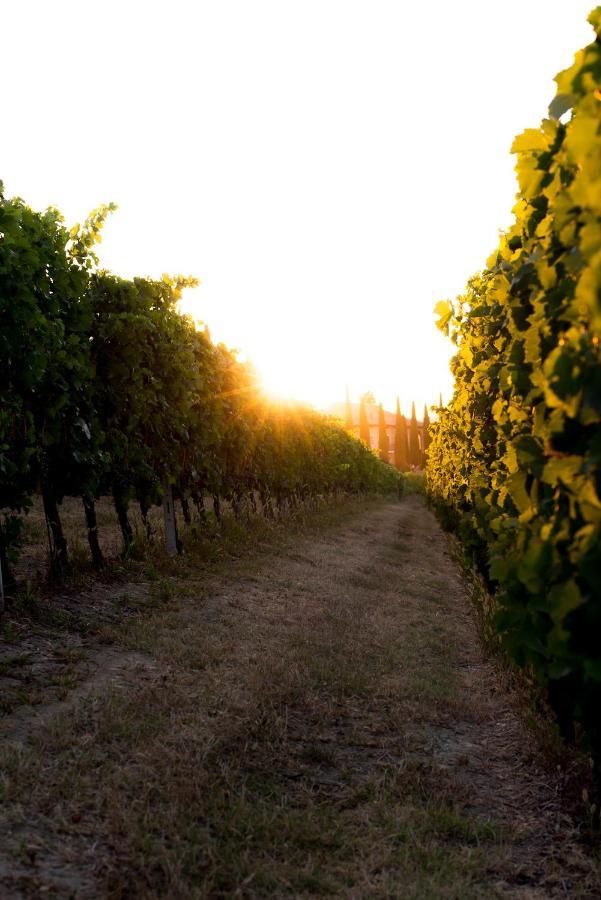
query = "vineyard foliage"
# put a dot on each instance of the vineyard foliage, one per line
(107, 389)
(515, 458)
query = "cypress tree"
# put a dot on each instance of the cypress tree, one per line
(348, 412)
(415, 456)
(406, 443)
(401, 450)
(364, 423)
(382, 436)
(427, 437)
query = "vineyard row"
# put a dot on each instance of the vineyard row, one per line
(515, 459)
(107, 389)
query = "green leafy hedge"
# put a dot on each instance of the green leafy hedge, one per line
(106, 389)
(515, 459)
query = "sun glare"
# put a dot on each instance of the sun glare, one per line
(281, 382)
(323, 210)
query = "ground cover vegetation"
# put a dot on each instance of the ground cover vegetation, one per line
(310, 714)
(515, 458)
(108, 390)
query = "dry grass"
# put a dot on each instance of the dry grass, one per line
(46, 623)
(319, 721)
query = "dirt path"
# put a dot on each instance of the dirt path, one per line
(320, 722)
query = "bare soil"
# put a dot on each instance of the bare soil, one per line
(318, 719)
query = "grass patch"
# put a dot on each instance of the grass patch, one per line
(279, 745)
(222, 821)
(9, 664)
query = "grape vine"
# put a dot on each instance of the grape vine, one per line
(107, 390)
(515, 459)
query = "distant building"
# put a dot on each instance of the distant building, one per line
(339, 410)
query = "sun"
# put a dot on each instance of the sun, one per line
(281, 380)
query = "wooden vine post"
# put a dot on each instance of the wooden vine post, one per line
(171, 543)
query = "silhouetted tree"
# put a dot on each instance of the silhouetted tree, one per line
(426, 435)
(382, 436)
(401, 447)
(415, 457)
(364, 423)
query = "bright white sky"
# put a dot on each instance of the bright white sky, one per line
(329, 169)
